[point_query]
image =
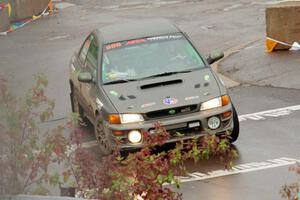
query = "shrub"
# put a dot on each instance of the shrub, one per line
(144, 174)
(291, 191)
(23, 157)
(27, 155)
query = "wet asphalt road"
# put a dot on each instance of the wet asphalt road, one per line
(261, 140)
(270, 138)
(46, 46)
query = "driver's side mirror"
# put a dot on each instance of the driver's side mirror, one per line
(215, 56)
(85, 77)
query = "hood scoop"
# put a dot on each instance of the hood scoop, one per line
(198, 85)
(159, 84)
(122, 98)
(131, 97)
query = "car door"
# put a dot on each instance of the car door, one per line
(79, 66)
(88, 90)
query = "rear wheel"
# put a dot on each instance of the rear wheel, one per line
(102, 137)
(236, 127)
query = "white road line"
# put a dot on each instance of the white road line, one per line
(242, 168)
(254, 117)
(269, 113)
(239, 169)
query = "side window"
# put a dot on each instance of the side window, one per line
(92, 56)
(84, 49)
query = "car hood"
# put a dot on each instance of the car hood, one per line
(163, 92)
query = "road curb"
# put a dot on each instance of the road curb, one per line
(229, 82)
(136, 5)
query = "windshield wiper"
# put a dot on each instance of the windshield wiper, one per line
(166, 74)
(119, 81)
(148, 77)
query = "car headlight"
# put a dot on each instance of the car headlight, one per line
(125, 118)
(130, 118)
(215, 103)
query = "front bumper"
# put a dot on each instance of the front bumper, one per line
(173, 124)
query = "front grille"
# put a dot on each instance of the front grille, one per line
(172, 112)
(184, 131)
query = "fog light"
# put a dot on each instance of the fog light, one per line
(214, 123)
(135, 137)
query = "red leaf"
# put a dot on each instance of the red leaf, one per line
(58, 150)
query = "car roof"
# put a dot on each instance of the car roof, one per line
(136, 29)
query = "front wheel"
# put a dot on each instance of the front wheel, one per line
(74, 102)
(236, 126)
(102, 137)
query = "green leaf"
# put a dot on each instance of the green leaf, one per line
(131, 180)
(30, 156)
(159, 179)
(178, 134)
(177, 183)
(54, 179)
(174, 161)
(119, 158)
(205, 154)
(170, 177)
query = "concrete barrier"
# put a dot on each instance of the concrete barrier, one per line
(283, 24)
(23, 9)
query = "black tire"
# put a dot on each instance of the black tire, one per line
(102, 137)
(76, 107)
(236, 126)
(74, 102)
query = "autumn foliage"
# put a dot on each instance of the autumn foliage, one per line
(24, 160)
(32, 159)
(292, 191)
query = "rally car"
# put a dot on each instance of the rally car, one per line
(126, 77)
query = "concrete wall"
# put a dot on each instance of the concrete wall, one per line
(3, 1)
(4, 19)
(29, 197)
(22, 9)
(283, 23)
(27, 8)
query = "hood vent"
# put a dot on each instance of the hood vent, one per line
(197, 85)
(131, 97)
(122, 98)
(159, 84)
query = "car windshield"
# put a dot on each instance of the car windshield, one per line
(148, 57)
